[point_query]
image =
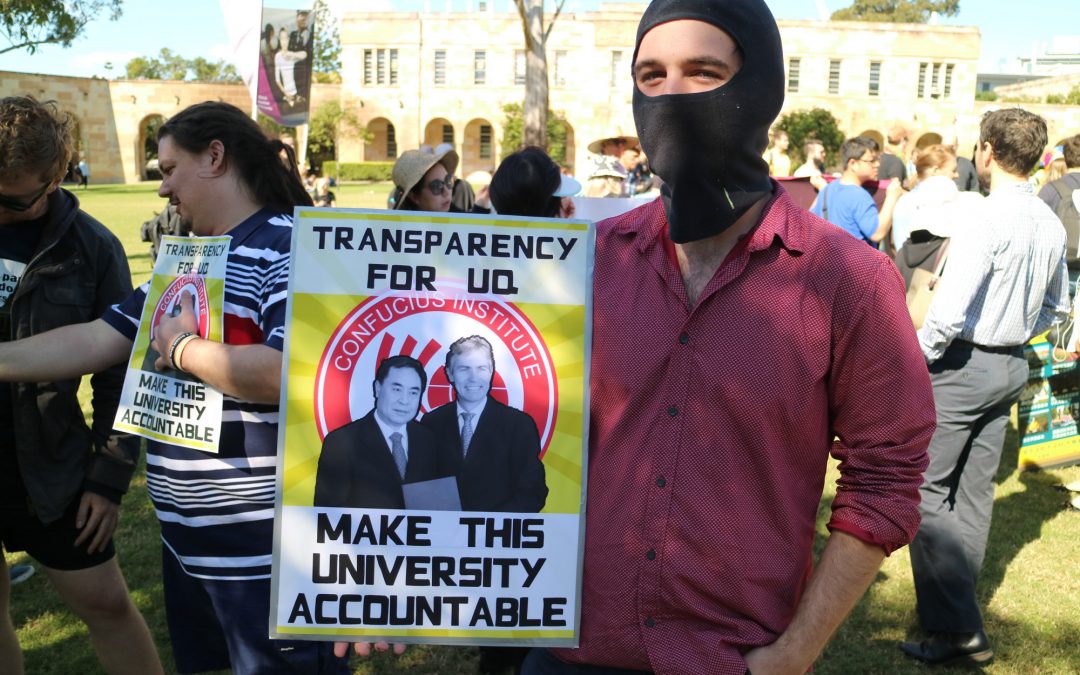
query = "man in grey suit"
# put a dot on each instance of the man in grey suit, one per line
(496, 447)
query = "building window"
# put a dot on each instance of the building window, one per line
(834, 76)
(440, 66)
(519, 66)
(480, 67)
(560, 68)
(948, 79)
(793, 75)
(391, 141)
(922, 79)
(379, 75)
(874, 89)
(616, 67)
(935, 81)
(485, 141)
(448, 133)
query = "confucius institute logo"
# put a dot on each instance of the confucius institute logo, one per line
(169, 303)
(424, 326)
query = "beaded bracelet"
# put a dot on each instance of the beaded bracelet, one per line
(176, 349)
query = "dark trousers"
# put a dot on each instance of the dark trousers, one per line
(973, 392)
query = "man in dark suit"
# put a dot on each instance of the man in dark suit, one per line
(497, 447)
(364, 463)
(300, 40)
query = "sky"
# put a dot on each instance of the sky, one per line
(198, 30)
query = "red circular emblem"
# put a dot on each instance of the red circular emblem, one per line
(169, 303)
(424, 326)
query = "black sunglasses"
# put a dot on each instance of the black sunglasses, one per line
(437, 186)
(19, 205)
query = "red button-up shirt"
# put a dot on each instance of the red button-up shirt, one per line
(711, 429)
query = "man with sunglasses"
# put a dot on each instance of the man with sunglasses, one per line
(60, 480)
(848, 205)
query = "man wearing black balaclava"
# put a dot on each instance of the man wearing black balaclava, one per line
(737, 341)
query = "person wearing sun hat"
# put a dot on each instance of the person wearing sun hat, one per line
(426, 182)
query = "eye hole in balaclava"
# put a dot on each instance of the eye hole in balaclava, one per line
(707, 146)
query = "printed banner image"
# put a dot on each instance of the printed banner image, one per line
(171, 406)
(432, 446)
(1049, 408)
(285, 63)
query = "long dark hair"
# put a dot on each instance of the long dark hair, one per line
(524, 185)
(274, 181)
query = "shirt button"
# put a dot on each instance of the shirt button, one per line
(673, 411)
(651, 555)
(684, 338)
(649, 622)
(660, 482)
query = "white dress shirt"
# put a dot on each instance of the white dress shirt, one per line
(1005, 280)
(388, 429)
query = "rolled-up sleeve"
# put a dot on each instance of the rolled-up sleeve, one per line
(882, 407)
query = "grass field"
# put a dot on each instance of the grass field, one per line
(1030, 588)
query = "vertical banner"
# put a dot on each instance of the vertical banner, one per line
(1049, 407)
(285, 61)
(174, 407)
(434, 429)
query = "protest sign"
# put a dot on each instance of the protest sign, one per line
(172, 406)
(475, 537)
(285, 62)
(1049, 407)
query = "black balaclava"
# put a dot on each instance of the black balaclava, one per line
(707, 146)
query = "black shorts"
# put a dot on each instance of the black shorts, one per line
(52, 545)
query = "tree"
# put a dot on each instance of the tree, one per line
(819, 124)
(896, 11)
(513, 138)
(169, 66)
(326, 48)
(329, 124)
(26, 24)
(536, 79)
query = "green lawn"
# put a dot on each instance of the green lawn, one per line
(1030, 589)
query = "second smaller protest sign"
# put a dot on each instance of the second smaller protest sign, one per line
(171, 406)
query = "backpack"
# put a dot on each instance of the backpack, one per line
(1069, 216)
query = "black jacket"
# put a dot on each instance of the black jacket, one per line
(357, 470)
(502, 471)
(78, 270)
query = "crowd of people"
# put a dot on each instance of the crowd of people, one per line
(706, 462)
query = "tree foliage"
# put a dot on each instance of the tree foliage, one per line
(26, 24)
(514, 133)
(169, 66)
(330, 123)
(896, 11)
(818, 124)
(326, 48)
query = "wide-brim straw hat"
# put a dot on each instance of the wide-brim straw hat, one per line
(596, 147)
(411, 167)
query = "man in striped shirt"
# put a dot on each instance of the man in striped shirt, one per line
(223, 175)
(1005, 281)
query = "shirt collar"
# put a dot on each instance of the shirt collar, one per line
(649, 227)
(476, 412)
(388, 429)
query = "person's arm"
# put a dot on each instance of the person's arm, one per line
(529, 492)
(63, 353)
(247, 372)
(1055, 304)
(884, 219)
(843, 574)
(968, 268)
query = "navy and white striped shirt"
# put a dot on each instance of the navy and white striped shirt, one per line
(217, 511)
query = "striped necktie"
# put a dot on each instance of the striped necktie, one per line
(398, 450)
